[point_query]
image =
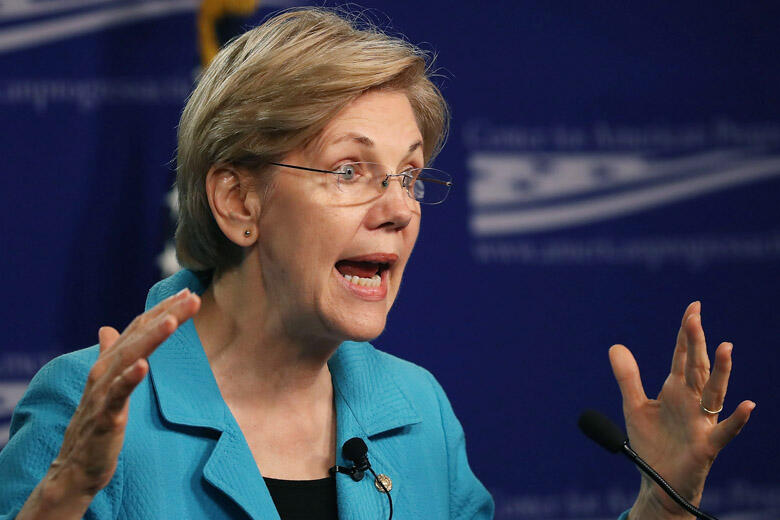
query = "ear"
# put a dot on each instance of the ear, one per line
(234, 203)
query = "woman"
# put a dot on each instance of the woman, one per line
(300, 191)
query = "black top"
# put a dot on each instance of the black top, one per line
(304, 499)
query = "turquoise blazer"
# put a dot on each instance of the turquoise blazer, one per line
(184, 456)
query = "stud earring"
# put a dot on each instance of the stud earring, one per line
(247, 233)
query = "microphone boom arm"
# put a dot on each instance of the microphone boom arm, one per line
(653, 474)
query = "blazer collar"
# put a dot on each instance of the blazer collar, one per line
(367, 386)
(184, 384)
(187, 392)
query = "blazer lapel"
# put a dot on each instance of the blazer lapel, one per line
(188, 395)
(232, 469)
(369, 402)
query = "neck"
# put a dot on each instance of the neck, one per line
(253, 355)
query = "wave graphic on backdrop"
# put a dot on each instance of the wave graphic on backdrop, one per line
(523, 193)
(29, 23)
(99, 15)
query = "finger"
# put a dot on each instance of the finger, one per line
(729, 428)
(681, 346)
(158, 309)
(627, 375)
(153, 334)
(185, 309)
(106, 337)
(697, 363)
(146, 336)
(124, 384)
(714, 392)
(143, 341)
(167, 303)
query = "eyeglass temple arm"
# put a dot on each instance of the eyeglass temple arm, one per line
(437, 181)
(304, 168)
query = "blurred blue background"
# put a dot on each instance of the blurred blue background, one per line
(613, 162)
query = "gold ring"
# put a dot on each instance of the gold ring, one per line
(711, 412)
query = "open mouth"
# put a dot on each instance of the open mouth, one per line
(362, 273)
(367, 270)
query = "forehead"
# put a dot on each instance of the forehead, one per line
(384, 119)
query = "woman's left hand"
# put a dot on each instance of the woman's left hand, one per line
(673, 433)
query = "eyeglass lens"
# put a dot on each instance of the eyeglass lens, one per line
(363, 181)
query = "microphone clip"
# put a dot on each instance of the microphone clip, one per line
(355, 450)
(354, 472)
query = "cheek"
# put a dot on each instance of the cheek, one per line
(410, 235)
(321, 239)
(289, 244)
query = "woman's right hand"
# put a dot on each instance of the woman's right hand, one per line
(94, 437)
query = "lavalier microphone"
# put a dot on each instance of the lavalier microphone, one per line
(356, 451)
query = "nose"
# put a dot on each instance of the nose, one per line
(394, 208)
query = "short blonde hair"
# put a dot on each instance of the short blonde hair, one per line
(272, 90)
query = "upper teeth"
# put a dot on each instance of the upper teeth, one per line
(374, 281)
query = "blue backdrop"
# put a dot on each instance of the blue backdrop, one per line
(613, 162)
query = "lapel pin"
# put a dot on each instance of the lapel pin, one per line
(383, 480)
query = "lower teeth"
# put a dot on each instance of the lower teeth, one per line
(374, 281)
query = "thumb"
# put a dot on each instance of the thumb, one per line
(627, 375)
(107, 336)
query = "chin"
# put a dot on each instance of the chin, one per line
(364, 329)
(366, 332)
(365, 337)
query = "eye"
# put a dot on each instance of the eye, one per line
(349, 172)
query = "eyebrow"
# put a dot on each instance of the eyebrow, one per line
(367, 142)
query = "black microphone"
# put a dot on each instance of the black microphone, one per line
(355, 450)
(600, 429)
